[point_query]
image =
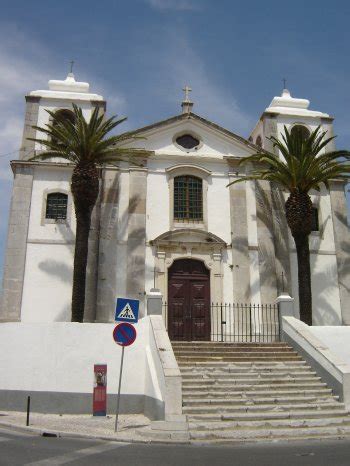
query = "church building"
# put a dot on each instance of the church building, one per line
(171, 224)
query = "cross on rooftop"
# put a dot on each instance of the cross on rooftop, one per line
(284, 83)
(71, 66)
(187, 91)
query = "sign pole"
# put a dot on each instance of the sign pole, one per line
(118, 397)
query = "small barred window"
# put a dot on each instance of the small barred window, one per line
(315, 222)
(56, 206)
(188, 199)
(258, 141)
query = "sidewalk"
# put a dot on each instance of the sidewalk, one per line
(131, 427)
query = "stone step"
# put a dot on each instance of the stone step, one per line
(280, 399)
(213, 344)
(251, 391)
(244, 357)
(192, 384)
(200, 356)
(241, 363)
(227, 350)
(272, 433)
(268, 408)
(237, 375)
(253, 395)
(267, 424)
(222, 387)
(268, 415)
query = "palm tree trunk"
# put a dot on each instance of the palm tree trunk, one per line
(304, 278)
(80, 262)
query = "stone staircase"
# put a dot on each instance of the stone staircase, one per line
(255, 392)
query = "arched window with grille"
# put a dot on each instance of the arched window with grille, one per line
(56, 206)
(66, 115)
(300, 130)
(188, 199)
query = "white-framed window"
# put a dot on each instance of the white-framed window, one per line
(188, 199)
(56, 207)
(188, 186)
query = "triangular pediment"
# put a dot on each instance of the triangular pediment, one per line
(215, 141)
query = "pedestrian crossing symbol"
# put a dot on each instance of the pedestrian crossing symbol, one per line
(127, 310)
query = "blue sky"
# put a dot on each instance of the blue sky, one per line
(140, 53)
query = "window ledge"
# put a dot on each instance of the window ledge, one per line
(179, 225)
(54, 221)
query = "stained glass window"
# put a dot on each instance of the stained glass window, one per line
(188, 199)
(56, 206)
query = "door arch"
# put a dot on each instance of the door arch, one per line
(189, 301)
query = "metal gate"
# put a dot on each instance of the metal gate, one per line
(238, 322)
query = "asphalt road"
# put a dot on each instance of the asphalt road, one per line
(29, 449)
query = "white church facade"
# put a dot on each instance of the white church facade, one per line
(171, 224)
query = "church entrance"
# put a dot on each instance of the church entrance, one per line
(189, 301)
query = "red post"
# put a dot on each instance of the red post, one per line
(100, 390)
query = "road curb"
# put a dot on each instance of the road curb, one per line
(64, 434)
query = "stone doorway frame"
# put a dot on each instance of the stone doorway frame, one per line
(189, 244)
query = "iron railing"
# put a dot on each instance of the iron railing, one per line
(225, 322)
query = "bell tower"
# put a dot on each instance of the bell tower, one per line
(288, 111)
(61, 94)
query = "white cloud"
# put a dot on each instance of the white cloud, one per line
(180, 5)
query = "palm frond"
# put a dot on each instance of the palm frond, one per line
(79, 140)
(299, 163)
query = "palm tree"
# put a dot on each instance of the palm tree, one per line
(300, 167)
(85, 144)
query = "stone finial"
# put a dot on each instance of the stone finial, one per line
(186, 104)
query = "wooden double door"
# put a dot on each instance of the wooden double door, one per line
(189, 301)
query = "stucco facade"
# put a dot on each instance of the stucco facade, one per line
(242, 237)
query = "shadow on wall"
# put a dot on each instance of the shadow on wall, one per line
(344, 266)
(274, 220)
(59, 270)
(323, 311)
(271, 214)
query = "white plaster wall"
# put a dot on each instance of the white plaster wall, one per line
(47, 289)
(53, 105)
(310, 122)
(149, 273)
(325, 291)
(59, 357)
(324, 275)
(336, 338)
(228, 291)
(158, 200)
(122, 232)
(50, 179)
(219, 221)
(214, 144)
(48, 273)
(258, 131)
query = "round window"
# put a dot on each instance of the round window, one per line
(187, 141)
